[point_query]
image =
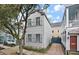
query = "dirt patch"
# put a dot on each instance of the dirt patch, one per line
(1, 48)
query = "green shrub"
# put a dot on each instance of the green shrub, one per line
(41, 50)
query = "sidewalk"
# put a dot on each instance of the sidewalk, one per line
(3, 46)
(55, 49)
(13, 50)
(10, 51)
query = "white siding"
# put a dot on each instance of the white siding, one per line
(44, 30)
(67, 41)
(35, 30)
(77, 42)
(67, 23)
(78, 15)
(47, 32)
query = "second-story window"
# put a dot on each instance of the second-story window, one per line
(52, 31)
(58, 30)
(37, 21)
(29, 22)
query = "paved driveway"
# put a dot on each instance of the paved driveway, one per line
(3, 47)
(55, 49)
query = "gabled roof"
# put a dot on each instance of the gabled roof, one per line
(42, 13)
(56, 24)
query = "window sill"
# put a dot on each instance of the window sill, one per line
(34, 26)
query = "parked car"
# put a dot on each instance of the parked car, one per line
(7, 40)
(10, 42)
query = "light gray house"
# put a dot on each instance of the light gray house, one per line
(70, 28)
(39, 31)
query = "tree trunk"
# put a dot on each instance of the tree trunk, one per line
(23, 36)
(20, 47)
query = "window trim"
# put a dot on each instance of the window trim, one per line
(38, 21)
(29, 22)
(38, 41)
(30, 40)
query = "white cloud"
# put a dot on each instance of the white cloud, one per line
(58, 17)
(57, 7)
(50, 11)
(49, 15)
(54, 21)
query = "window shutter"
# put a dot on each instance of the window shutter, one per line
(41, 21)
(34, 22)
(40, 38)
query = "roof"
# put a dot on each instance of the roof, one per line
(68, 5)
(56, 24)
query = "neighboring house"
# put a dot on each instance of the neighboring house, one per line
(70, 28)
(38, 32)
(56, 29)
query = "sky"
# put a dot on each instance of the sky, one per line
(55, 13)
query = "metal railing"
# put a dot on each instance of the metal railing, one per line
(73, 23)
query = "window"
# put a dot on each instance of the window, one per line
(52, 31)
(38, 38)
(9, 37)
(30, 37)
(29, 22)
(58, 30)
(37, 21)
(76, 14)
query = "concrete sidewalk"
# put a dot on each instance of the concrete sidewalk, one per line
(13, 50)
(3, 46)
(55, 49)
(10, 51)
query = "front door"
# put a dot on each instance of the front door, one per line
(73, 43)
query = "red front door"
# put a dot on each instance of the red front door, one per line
(73, 43)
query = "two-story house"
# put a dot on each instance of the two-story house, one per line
(38, 32)
(56, 29)
(70, 28)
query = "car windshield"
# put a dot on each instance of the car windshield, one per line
(11, 40)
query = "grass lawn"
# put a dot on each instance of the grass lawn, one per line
(74, 53)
